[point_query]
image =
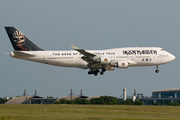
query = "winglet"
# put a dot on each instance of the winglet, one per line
(74, 47)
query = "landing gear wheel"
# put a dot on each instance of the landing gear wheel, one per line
(157, 71)
(101, 73)
(97, 71)
(95, 74)
(103, 70)
(90, 72)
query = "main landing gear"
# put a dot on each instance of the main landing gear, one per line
(95, 72)
(157, 70)
(102, 71)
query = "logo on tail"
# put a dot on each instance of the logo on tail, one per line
(19, 41)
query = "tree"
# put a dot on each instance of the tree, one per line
(173, 104)
(70, 102)
(63, 101)
(114, 101)
(101, 101)
(176, 104)
(128, 102)
(156, 103)
(104, 100)
(3, 100)
(77, 101)
(82, 101)
(170, 104)
(138, 102)
(57, 102)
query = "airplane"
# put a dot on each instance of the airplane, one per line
(94, 60)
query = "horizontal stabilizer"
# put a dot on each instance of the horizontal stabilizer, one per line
(22, 54)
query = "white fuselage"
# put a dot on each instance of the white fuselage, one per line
(136, 56)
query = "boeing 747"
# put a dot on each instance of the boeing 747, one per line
(94, 60)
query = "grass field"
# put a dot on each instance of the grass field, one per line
(88, 112)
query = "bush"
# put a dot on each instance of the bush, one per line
(128, 102)
(156, 103)
(70, 102)
(82, 101)
(176, 104)
(170, 104)
(3, 100)
(57, 102)
(63, 101)
(173, 104)
(104, 100)
(138, 102)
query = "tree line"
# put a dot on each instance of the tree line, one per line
(103, 100)
(3, 100)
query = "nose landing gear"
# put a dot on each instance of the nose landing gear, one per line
(157, 70)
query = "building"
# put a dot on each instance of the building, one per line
(163, 97)
(31, 100)
(19, 100)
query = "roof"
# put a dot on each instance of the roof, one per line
(69, 98)
(18, 100)
(93, 97)
(168, 90)
(21, 99)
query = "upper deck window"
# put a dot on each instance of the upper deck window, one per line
(162, 49)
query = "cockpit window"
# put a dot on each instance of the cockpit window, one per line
(162, 49)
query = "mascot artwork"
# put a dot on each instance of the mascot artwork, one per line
(19, 40)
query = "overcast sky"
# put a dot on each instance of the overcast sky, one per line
(89, 24)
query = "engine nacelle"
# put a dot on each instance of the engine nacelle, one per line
(105, 60)
(120, 64)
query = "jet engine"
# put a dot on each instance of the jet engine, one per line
(120, 64)
(105, 60)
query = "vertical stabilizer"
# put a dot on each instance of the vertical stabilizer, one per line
(19, 41)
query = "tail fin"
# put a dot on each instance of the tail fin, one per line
(19, 41)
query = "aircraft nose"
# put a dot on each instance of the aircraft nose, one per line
(172, 57)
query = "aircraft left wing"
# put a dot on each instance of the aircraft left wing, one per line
(82, 51)
(88, 57)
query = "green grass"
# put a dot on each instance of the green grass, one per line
(88, 112)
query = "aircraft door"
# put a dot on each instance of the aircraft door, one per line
(44, 58)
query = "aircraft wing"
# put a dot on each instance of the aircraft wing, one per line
(88, 57)
(82, 51)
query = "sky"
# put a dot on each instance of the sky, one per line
(91, 25)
